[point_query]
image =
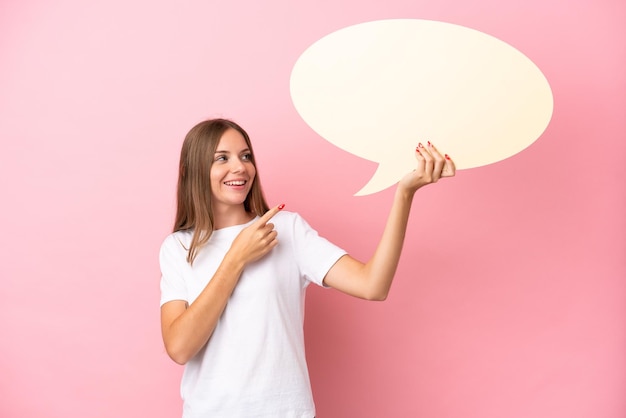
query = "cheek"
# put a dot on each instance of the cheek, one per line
(216, 180)
(216, 173)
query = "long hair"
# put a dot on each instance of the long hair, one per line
(194, 209)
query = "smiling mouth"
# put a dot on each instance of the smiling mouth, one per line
(235, 183)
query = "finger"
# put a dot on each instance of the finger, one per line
(267, 229)
(439, 162)
(428, 159)
(269, 240)
(434, 151)
(270, 214)
(419, 156)
(449, 169)
(272, 237)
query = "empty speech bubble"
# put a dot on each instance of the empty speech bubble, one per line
(376, 89)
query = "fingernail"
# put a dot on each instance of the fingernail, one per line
(281, 206)
(429, 144)
(420, 145)
(447, 157)
(418, 150)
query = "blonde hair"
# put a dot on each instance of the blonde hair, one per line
(193, 209)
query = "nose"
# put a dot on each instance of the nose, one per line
(236, 165)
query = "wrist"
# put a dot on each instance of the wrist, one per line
(233, 262)
(405, 194)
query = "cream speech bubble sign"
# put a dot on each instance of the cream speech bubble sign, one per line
(376, 89)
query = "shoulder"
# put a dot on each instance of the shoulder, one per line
(284, 216)
(287, 219)
(292, 223)
(177, 241)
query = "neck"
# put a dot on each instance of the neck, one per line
(230, 216)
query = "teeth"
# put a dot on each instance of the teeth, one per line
(235, 183)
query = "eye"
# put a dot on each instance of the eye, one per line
(247, 157)
(220, 157)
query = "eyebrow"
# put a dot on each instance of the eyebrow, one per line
(228, 152)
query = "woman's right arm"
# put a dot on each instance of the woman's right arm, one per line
(187, 328)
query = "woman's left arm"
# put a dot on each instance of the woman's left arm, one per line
(372, 280)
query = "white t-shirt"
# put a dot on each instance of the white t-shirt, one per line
(254, 363)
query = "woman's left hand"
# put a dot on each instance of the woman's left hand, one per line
(431, 166)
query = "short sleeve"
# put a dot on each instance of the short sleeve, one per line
(172, 259)
(315, 255)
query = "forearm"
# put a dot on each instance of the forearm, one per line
(185, 335)
(372, 280)
(381, 268)
(187, 329)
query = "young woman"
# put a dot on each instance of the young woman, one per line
(234, 275)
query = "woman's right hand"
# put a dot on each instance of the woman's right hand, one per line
(187, 328)
(257, 239)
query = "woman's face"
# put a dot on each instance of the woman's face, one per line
(232, 172)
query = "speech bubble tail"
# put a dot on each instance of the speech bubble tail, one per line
(382, 179)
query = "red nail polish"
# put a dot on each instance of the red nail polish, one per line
(447, 157)
(281, 206)
(418, 150)
(429, 144)
(420, 145)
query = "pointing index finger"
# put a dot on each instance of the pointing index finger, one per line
(270, 214)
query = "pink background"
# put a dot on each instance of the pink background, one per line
(510, 300)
